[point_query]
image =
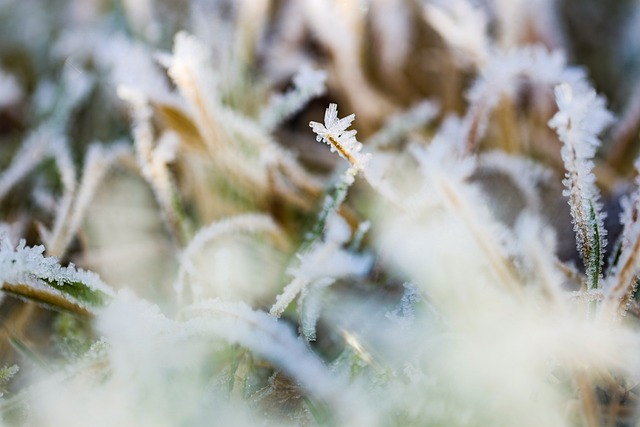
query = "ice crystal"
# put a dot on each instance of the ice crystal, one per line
(335, 134)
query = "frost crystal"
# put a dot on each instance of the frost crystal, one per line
(580, 118)
(334, 132)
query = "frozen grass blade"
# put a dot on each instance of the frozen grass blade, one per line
(28, 274)
(580, 118)
(308, 84)
(622, 282)
(153, 158)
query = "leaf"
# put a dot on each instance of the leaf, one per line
(26, 273)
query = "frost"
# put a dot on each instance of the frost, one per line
(288, 305)
(323, 260)
(153, 156)
(31, 153)
(504, 75)
(6, 374)
(73, 207)
(310, 307)
(25, 266)
(335, 134)
(445, 170)
(621, 283)
(580, 118)
(405, 311)
(308, 83)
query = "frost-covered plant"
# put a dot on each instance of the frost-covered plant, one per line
(580, 118)
(437, 269)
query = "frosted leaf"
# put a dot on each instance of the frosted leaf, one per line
(191, 70)
(25, 266)
(6, 374)
(31, 153)
(152, 156)
(98, 159)
(335, 134)
(271, 153)
(308, 83)
(310, 305)
(323, 260)
(327, 258)
(337, 229)
(132, 64)
(621, 283)
(166, 149)
(59, 150)
(580, 118)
